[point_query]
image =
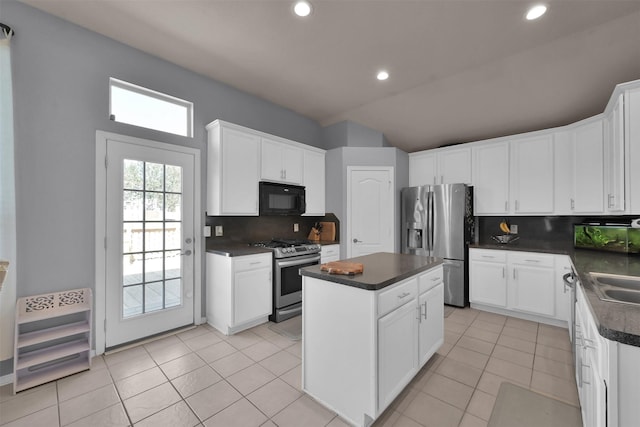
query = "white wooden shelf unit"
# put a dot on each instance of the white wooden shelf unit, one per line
(52, 337)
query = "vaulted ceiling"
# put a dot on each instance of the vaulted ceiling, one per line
(460, 70)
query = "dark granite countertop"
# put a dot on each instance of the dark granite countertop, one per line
(236, 249)
(380, 270)
(615, 321)
(232, 249)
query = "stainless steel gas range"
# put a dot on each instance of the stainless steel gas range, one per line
(288, 257)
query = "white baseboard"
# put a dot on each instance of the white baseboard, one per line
(6, 379)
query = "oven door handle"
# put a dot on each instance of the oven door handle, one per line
(298, 261)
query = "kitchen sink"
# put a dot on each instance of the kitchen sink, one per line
(617, 288)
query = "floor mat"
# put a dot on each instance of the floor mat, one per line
(290, 328)
(517, 406)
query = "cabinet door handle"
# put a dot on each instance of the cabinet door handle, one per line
(425, 310)
(506, 206)
(419, 311)
(573, 204)
(435, 279)
(610, 198)
(404, 295)
(514, 273)
(441, 179)
(532, 260)
(488, 256)
(517, 206)
(503, 272)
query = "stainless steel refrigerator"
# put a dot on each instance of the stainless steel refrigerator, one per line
(437, 220)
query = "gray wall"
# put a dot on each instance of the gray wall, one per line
(61, 74)
(337, 161)
(351, 134)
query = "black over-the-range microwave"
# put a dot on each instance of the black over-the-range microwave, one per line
(281, 199)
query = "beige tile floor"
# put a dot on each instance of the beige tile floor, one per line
(201, 377)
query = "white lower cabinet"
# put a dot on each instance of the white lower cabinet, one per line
(361, 353)
(607, 373)
(239, 291)
(524, 284)
(488, 277)
(431, 312)
(592, 366)
(397, 351)
(329, 253)
(532, 283)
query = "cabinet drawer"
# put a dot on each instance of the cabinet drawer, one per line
(532, 259)
(251, 262)
(488, 255)
(330, 250)
(400, 294)
(431, 278)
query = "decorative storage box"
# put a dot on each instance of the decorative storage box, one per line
(612, 238)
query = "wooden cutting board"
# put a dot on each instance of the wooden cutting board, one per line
(328, 231)
(343, 267)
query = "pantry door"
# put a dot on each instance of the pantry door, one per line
(370, 210)
(150, 248)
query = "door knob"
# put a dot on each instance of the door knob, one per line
(356, 240)
(187, 252)
(188, 240)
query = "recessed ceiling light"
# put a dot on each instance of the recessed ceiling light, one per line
(302, 8)
(536, 12)
(382, 75)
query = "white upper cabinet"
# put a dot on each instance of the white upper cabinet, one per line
(454, 166)
(444, 166)
(239, 157)
(233, 164)
(422, 169)
(588, 173)
(490, 167)
(314, 182)
(632, 150)
(281, 162)
(563, 172)
(614, 167)
(532, 175)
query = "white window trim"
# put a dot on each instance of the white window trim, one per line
(113, 82)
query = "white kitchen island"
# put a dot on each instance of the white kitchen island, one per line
(366, 336)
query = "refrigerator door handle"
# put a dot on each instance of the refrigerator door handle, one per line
(431, 222)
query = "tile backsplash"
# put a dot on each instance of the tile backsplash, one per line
(260, 228)
(556, 230)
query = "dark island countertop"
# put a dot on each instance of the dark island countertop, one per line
(616, 321)
(380, 270)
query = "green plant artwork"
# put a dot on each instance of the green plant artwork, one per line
(608, 238)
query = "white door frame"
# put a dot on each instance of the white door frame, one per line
(100, 232)
(389, 169)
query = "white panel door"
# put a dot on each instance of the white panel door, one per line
(149, 244)
(370, 210)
